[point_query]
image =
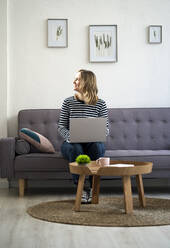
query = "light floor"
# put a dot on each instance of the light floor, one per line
(19, 230)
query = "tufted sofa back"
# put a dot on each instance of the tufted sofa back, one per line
(139, 129)
(130, 128)
(43, 121)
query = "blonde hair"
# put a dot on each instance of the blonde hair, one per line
(89, 86)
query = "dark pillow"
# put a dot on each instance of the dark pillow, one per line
(22, 146)
(37, 140)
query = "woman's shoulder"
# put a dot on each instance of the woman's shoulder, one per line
(69, 99)
(101, 102)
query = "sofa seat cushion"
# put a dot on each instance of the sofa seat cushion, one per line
(125, 153)
(41, 162)
(160, 158)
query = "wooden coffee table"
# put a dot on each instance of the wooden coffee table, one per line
(125, 172)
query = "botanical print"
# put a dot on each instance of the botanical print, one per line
(155, 34)
(59, 32)
(103, 44)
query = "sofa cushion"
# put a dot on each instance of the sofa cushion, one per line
(136, 153)
(160, 158)
(41, 162)
(37, 140)
(22, 146)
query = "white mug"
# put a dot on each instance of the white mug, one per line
(103, 161)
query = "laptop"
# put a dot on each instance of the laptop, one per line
(91, 129)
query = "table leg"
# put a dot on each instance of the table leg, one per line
(140, 187)
(127, 189)
(79, 192)
(95, 189)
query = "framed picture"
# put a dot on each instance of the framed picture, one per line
(57, 33)
(155, 34)
(103, 43)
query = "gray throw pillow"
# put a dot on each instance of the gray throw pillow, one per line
(22, 146)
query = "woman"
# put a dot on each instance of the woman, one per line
(85, 103)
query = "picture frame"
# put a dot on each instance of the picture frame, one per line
(103, 43)
(155, 34)
(57, 32)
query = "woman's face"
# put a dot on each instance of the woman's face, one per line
(77, 82)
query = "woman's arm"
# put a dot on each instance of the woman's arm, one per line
(104, 113)
(63, 124)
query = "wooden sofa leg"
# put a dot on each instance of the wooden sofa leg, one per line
(21, 187)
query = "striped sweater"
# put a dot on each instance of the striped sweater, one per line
(72, 108)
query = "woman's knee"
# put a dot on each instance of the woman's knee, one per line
(96, 150)
(71, 150)
(77, 148)
(75, 151)
(99, 147)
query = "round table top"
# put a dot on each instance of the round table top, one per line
(112, 170)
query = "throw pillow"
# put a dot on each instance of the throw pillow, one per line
(22, 146)
(37, 140)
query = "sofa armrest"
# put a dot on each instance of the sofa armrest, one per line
(7, 156)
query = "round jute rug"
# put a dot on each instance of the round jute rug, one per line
(109, 212)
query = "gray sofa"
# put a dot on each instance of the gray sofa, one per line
(141, 134)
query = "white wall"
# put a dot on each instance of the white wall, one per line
(3, 68)
(41, 77)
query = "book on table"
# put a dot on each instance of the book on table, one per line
(122, 165)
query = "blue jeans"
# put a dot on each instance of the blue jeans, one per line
(70, 151)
